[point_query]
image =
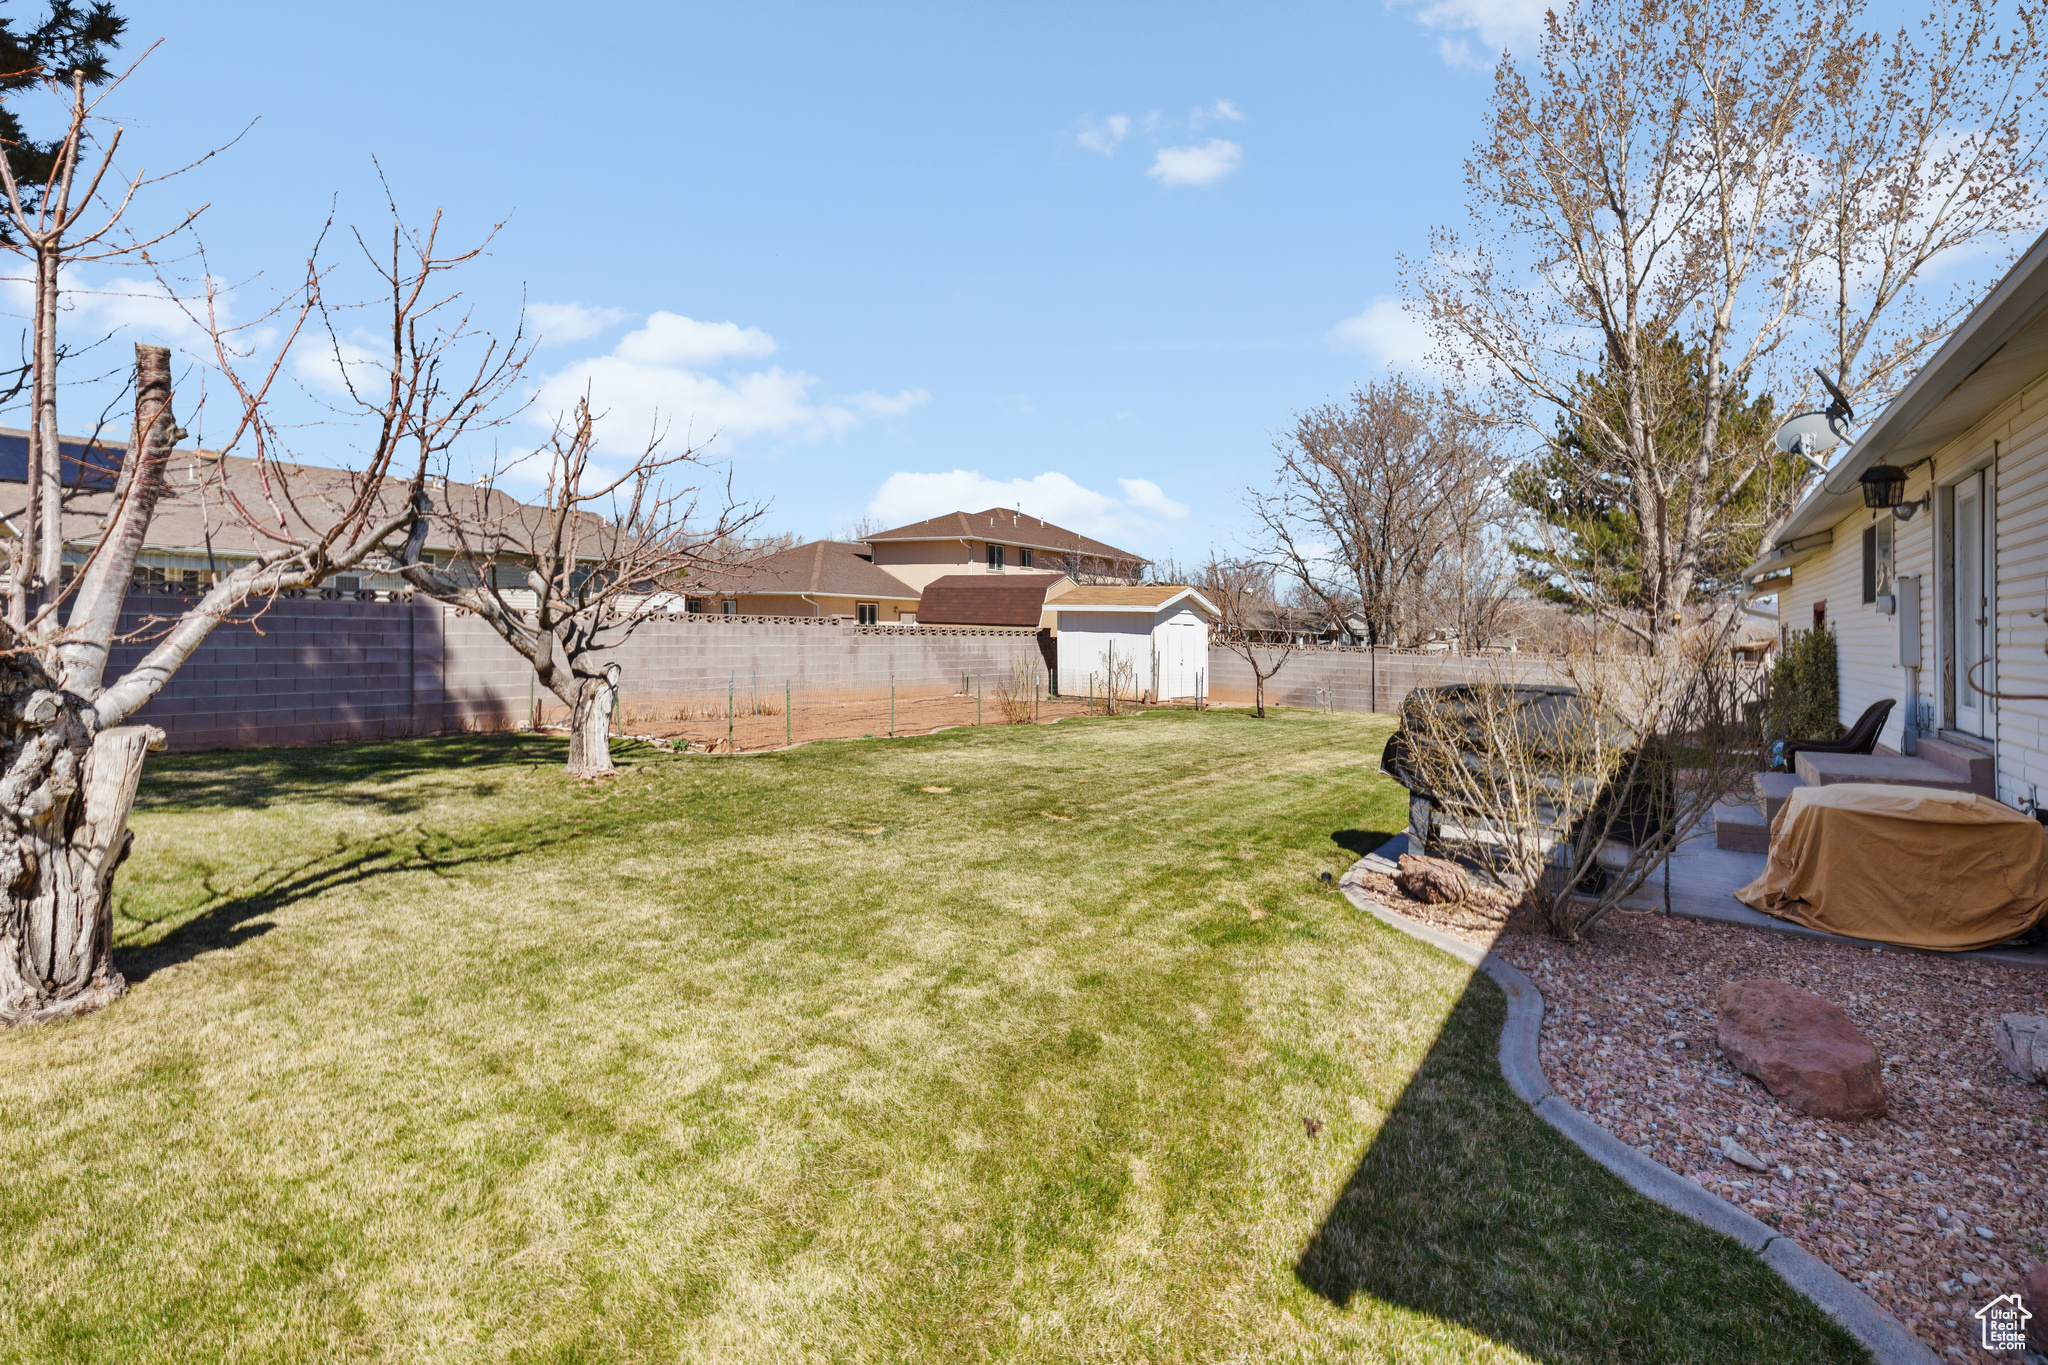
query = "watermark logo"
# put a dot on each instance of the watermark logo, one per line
(2002, 1324)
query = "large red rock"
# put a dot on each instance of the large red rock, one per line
(1804, 1050)
(1433, 881)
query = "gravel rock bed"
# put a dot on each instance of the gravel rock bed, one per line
(1932, 1210)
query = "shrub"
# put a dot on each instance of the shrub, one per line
(1806, 694)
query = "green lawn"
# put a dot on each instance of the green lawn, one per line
(433, 1054)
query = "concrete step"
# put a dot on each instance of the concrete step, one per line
(1974, 766)
(1772, 790)
(1741, 827)
(1825, 770)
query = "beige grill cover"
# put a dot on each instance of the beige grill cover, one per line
(1909, 865)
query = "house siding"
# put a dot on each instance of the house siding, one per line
(2011, 447)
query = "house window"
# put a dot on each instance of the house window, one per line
(693, 604)
(995, 556)
(348, 583)
(729, 607)
(1023, 559)
(867, 613)
(1820, 613)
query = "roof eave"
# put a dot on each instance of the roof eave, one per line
(2010, 306)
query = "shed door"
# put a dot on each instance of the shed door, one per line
(1182, 642)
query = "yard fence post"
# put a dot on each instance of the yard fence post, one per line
(892, 706)
(730, 683)
(977, 701)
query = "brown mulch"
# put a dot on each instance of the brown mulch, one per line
(1900, 1205)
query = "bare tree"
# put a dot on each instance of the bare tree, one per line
(1251, 622)
(1573, 793)
(1390, 505)
(568, 579)
(68, 764)
(1767, 183)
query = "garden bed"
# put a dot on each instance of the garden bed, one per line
(1900, 1205)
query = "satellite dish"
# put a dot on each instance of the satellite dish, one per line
(1809, 435)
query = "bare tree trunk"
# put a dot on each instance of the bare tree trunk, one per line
(64, 808)
(1258, 693)
(590, 725)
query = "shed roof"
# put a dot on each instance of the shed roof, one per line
(831, 567)
(1007, 526)
(985, 599)
(1141, 597)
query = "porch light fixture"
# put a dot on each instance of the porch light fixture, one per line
(1883, 485)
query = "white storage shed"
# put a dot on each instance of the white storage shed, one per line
(1153, 638)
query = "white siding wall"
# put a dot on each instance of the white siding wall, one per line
(1085, 642)
(1868, 642)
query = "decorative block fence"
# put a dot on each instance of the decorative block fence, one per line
(1334, 678)
(309, 671)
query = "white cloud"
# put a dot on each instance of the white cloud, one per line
(882, 405)
(907, 497)
(1221, 109)
(655, 379)
(140, 309)
(672, 339)
(1388, 332)
(1102, 137)
(1512, 25)
(559, 322)
(323, 362)
(1203, 165)
(1147, 496)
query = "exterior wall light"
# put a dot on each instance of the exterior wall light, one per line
(1883, 485)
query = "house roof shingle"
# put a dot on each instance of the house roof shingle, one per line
(1007, 526)
(829, 567)
(195, 516)
(985, 599)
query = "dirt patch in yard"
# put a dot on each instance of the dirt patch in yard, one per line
(1948, 1184)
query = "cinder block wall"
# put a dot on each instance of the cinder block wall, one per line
(309, 671)
(1358, 679)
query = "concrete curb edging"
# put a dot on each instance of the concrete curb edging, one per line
(1889, 1341)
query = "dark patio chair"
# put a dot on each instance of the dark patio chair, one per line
(1861, 739)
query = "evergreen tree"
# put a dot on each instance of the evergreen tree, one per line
(1596, 527)
(71, 37)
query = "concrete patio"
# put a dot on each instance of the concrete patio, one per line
(1702, 885)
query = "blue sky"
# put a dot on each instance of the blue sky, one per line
(902, 258)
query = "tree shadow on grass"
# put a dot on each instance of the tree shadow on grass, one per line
(1469, 1208)
(376, 775)
(226, 922)
(1359, 842)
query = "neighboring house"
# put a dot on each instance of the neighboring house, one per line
(999, 540)
(1940, 604)
(823, 578)
(197, 534)
(1160, 631)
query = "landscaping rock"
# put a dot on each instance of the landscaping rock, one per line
(2034, 1294)
(1741, 1155)
(2023, 1046)
(1804, 1050)
(1433, 881)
